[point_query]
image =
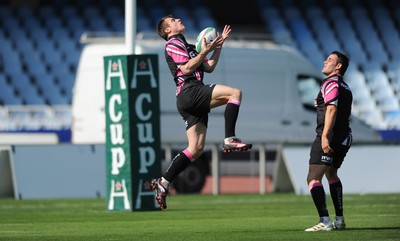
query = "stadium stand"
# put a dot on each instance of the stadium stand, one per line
(40, 46)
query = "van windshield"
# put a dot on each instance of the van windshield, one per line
(308, 88)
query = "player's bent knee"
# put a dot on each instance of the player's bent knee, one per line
(238, 93)
(197, 151)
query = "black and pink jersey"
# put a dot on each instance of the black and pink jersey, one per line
(334, 91)
(177, 53)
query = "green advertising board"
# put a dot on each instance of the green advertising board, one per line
(133, 145)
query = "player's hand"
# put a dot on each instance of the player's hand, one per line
(326, 148)
(224, 35)
(226, 31)
(212, 45)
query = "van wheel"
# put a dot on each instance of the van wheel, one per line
(193, 178)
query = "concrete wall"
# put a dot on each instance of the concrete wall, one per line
(78, 171)
(60, 171)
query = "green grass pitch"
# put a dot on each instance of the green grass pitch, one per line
(199, 217)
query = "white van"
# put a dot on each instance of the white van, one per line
(278, 85)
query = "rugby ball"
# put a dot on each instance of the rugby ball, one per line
(209, 33)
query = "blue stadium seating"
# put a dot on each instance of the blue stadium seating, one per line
(40, 46)
(31, 95)
(8, 96)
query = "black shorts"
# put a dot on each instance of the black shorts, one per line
(193, 104)
(336, 159)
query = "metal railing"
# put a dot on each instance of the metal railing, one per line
(216, 159)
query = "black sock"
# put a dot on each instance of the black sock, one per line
(337, 197)
(231, 115)
(178, 164)
(319, 198)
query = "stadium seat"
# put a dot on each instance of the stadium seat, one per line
(39, 36)
(361, 92)
(98, 24)
(54, 96)
(60, 33)
(44, 81)
(24, 12)
(68, 12)
(283, 36)
(11, 24)
(313, 13)
(10, 60)
(66, 82)
(291, 13)
(389, 104)
(393, 71)
(383, 92)
(114, 12)
(71, 58)
(370, 68)
(52, 56)
(355, 79)
(335, 13)
(76, 26)
(201, 12)
(206, 22)
(143, 24)
(381, 16)
(8, 96)
(31, 23)
(23, 44)
(365, 104)
(377, 79)
(118, 25)
(374, 118)
(326, 39)
(20, 80)
(18, 34)
(35, 69)
(47, 12)
(393, 119)
(90, 12)
(66, 46)
(53, 23)
(3, 80)
(349, 40)
(31, 58)
(31, 96)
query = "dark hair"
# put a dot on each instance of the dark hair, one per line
(161, 27)
(343, 59)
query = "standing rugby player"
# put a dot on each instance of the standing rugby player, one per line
(332, 142)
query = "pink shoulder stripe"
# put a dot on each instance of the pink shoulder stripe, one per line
(330, 91)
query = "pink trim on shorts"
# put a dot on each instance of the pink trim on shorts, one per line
(188, 154)
(314, 183)
(235, 102)
(334, 180)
